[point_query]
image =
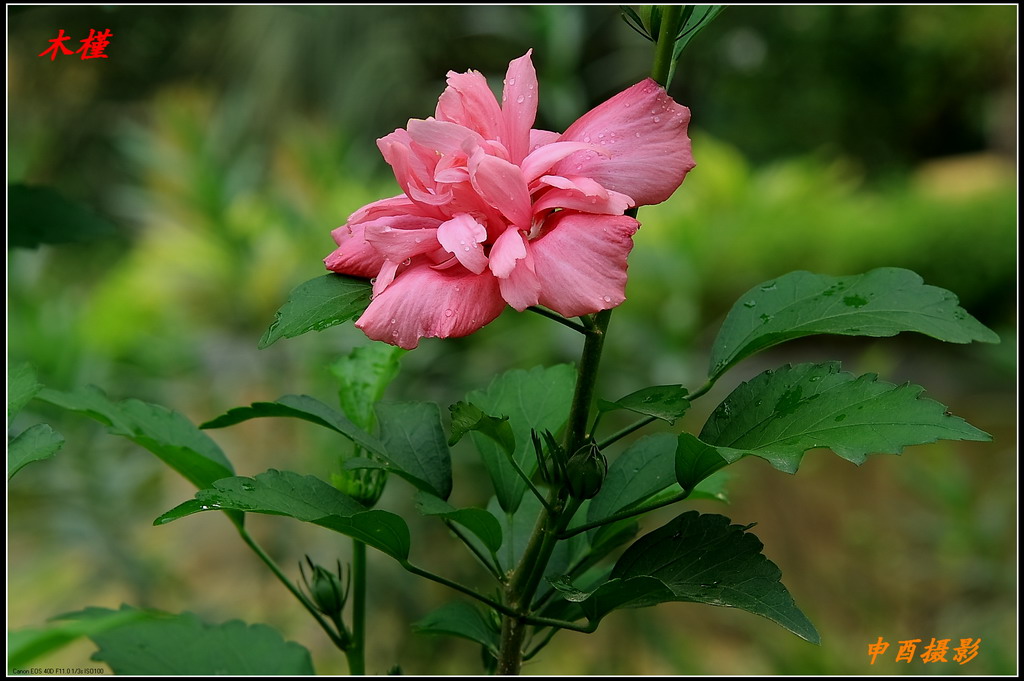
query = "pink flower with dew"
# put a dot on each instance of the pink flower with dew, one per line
(496, 213)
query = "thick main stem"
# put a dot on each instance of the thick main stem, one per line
(356, 652)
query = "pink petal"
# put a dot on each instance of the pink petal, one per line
(426, 303)
(507, 249)
(384, 277)
(519, 106)
(354, 255)
(581, 261)
(398, 239)
(462, 236)
(538, 138)
(443, 136)
(541, 160)
(502, 185)
(521, 288)
(396, 205)
(612, 203)
(645, 131)
(469, 102)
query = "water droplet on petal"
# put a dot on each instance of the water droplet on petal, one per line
(448, 312)
(657, 119)
(393, 320)
(637, 134)
(407, 262)
(601, 136)
(465, 248)
(520, 99)
(511, 81)
(607, 299)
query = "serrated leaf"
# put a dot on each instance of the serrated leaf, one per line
(305, 498)
(700, 559)
(883, 302)
(166, 433)
(778, 415)
(645, 468)
(364, 374)
(172, 645)
(468, 417)
(26, 645)
(35, 444)
(300, 407)
(41, 215)
(319, 304)
(665, 402)
(539, 400)
(478, 521)
(22, 386)
(463, 620)
(414, 441)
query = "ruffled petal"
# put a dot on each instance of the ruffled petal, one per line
(581, 261)
(538, 138)
(501, 184)
(540, 160)
(645, 131)
(519, 106)
(611, 203)
(423, 302)
(469, 102)
(354, 255)
(443, 136)
(461, 236)
(397, 239)
(521, 288)
(507, 249)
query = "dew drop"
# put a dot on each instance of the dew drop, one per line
(373, 280)
(419, 239)
(511, 81)
(657, 119)
(769, 287)
(393, 320)
(750, 303)
(465, 248)
(248, 486)
(586, 138)
(448, 312)
(607, 299)
(407, 262)
(637, 134)
(601, 136)
(520, 99)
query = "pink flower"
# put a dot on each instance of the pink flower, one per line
(495, 213)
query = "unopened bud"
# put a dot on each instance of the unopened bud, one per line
(550, 458)
(585, 472)
(327, 591)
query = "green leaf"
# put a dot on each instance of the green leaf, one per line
(364, 374)
(300, 407)
(35, 444)
(883, 302)
(704, 559)
(318, 304)
(41, 215)
(173, 645)
(713, 488)
(478, 521)
(463, 620)
(699, 18)
(695, 461)
(26, 645)
(305, 498)
(166, 433)
(778, 415)
(665, 402)
(538, 399)
(645, 468)
(414, 440)
(467, 417)
(22, 386)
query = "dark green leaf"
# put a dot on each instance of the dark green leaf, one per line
(634, 21)
(665, 402)
(168, 434)
(364, 374)
(300, 407)
(467, 417)
(41, 215)
(179, 645)
(319, 304)
(645, 468)
(694, 461)
(35, 444)
(478, 521)
(461, 619)
(538, 399)
(713, 487)
(778, 415)
(305, 498)
(26, 645)
(414, 441)
(21, 387)
(883, 302)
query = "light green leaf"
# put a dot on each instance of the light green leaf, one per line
(778, 415)
(22, 386)
(883, 302)
(364, 374)
(300, 407)
(183, 645)
(26, 645)
(35, 444)
(305, 498)
(318, 304)
(665, 402)
(41, 215)
(467, 417)
(463, 620)
(539, 400)
(166, 433)
(414, 441)
(478, 521)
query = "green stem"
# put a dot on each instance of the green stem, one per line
(663, 52)
(544, 312)
(269, 562)
(487, 562)
(426, 574)
(622, 515)
(576, 435)
(356, 653)
(615, 437)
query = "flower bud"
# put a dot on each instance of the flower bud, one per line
(327, 592)
(550, 459)
(585, 472)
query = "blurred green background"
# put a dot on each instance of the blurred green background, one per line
(224, 143)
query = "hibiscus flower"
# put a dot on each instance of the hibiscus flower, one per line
(495, 213)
